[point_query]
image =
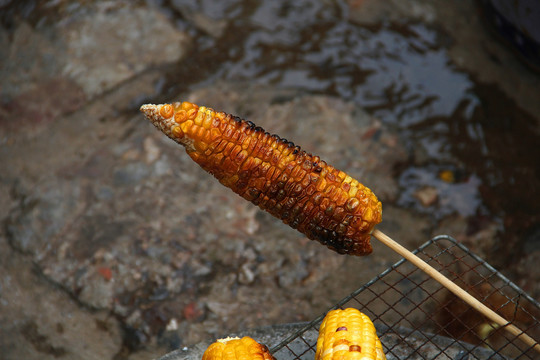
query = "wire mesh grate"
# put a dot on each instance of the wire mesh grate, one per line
(417, 318)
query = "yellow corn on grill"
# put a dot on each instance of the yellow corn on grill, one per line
(348, 335)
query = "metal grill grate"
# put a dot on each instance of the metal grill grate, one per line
(417, 318)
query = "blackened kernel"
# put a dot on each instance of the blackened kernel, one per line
(296, 210)
(272, 189)
(329, 210)
(289, 202)
(301, 217)
(240, 184)
(254, 192)
(319, 216)
(341, 229)
(280, 195)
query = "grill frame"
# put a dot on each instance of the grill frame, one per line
(417, 318)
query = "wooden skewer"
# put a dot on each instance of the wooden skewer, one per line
(450, 285)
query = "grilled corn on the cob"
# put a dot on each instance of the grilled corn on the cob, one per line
(237, 349)
(348, 335)
(305, 192)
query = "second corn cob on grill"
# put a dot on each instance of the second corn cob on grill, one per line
(348, 335)
(311, 196)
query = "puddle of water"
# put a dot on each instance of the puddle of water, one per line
(389, 69)
(448, 197)
(39, 12)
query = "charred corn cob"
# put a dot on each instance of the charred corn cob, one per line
(348, 335)
(305, 192)
(237, 349)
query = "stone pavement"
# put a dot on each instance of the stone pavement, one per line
(114, 243)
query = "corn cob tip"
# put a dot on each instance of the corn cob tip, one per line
(151, 112)
(168, 118)
(171, 119)
(146, 108)
(177, 112)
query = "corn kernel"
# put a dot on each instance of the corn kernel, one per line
(166, 111)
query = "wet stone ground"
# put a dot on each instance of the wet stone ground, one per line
(115, 245)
